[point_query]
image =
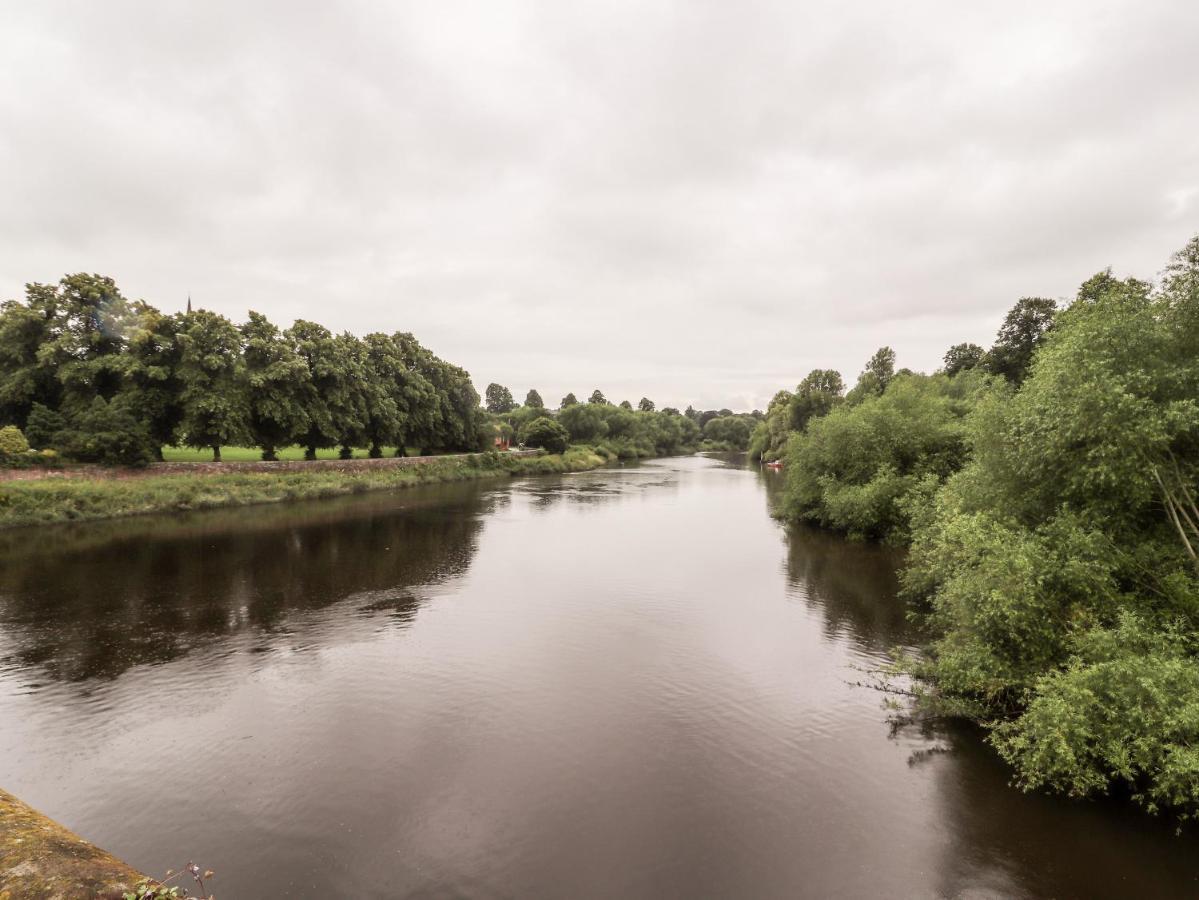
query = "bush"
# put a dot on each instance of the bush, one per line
(12, 441)
(109, 434)
(43, 426)
(544, 432)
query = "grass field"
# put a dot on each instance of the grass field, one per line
(74, 499)
(254, 454)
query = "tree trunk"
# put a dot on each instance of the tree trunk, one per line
(346, 452)
(376, 451)
(216, 452)
(269, 454)
(158, 452)
(310, 452)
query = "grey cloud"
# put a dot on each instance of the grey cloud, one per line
(694, 201)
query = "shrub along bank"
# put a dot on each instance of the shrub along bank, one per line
(1049, 489)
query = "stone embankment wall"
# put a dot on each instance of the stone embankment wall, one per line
(237, 468)
(40, 858)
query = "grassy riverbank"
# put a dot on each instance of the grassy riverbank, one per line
(64, 500)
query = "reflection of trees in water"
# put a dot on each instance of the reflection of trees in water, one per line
(1002, 842)
(855, 583)
(92, 601)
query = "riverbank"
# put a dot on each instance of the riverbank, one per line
(172, 487)
(40, 858)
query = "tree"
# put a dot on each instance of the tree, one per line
(879, 371)
(533, 399)
(584, 421)
(568, 400)
(646, 405)
(597, 397)
(499, 399)
(109, 433)
(1021, 333)
(277, 385)
(152, 373)
(855, 469)
(333, 393)
(1060, 576)
(818, 393)
(210, 370)
(544, 432)
(88, 339)
(963, 357)
(26, 378)
(731, 432)
(625, 404)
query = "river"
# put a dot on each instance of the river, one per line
(623, 683)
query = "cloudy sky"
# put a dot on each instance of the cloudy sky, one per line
(698, 201)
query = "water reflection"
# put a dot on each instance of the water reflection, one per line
(620, 683)
(86, 602)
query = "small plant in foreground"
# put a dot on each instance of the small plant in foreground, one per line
(152, 889)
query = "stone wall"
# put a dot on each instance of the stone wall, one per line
(40, 858)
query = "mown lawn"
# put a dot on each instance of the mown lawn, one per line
(254, 454)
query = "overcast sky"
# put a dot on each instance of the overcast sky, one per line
(697, 201)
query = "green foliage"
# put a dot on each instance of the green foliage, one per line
(879, 371)
(854, 468)
(109, 433)
(277, 379)
(499, 399)
(533, 400)
(1060, 573)
(544, 432)
(728, 432)
(597, 397)
(43, 426)
(568, 400)
(1025, 325)
(12, 441)
(215, 411)
(584, 421)
(625, 404)
(963, 357)
(646, 404)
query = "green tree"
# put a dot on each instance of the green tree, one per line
(210, 370)
(568, 400)
(333, 390)
(646, 405)
(963, 357)
(597, 397)
(1022, 331)
(533, 399)
(879, 372)
(625, 404)
(544, 432)
(152, 383)
(815, 396)
(276, 379)
(856, 468)
(26, 378)
(499, 399)
(584, 422)
(1061, 579)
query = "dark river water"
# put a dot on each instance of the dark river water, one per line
(624, 683)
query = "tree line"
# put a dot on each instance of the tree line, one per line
(102, 378)
(624, 430)
(1048, 488)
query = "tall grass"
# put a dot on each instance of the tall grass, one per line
(75, 499)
